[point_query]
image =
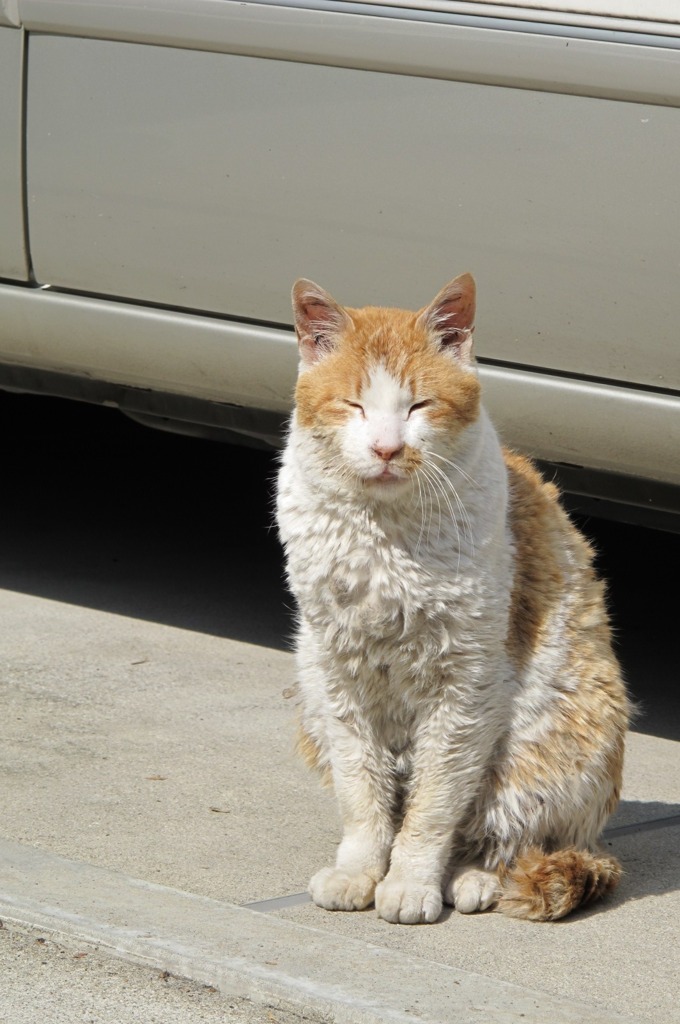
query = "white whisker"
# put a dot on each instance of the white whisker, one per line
(459, 503)
(437, 488)
(421, 503)
(444, 485)
(454, 465)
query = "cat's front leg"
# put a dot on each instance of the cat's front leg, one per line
(411, 893)
(365, 792)
(448, 765)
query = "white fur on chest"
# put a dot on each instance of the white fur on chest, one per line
(396, 586)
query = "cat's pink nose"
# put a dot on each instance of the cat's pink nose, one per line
(387, 451)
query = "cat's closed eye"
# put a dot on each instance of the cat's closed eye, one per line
(420, 405)
(355, 405)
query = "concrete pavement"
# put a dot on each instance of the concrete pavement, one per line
(164, 755)
(64, 981)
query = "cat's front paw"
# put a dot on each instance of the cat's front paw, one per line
(471, 889)
(403, 902)
(334, 889)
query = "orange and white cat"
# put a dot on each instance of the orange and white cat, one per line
(456, 678)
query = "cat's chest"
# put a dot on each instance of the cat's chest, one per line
(361, 579)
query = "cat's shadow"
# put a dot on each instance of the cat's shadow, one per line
(644, 836)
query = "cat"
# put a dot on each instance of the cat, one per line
(456, 678)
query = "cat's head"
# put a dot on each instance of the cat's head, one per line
(380, 390)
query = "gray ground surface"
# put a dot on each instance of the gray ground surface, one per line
(179, 770)
(64, 982)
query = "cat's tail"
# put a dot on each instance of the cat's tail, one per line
(545, 886)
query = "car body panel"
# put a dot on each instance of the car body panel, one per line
(619, 429)
(9, 13)
(418, 42)
(632, 15)
(13, 262)
(666, 10)
(176, 352)
(412, 181)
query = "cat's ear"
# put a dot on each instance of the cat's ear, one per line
(451, 318)
(319, 321)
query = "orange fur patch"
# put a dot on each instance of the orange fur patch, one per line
(311, 754)
(536, 527)
(392, 338)
(545, 887)
(588, 719)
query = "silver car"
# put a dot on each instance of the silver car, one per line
(167, 169)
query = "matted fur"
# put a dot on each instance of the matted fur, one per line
(456, 678)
